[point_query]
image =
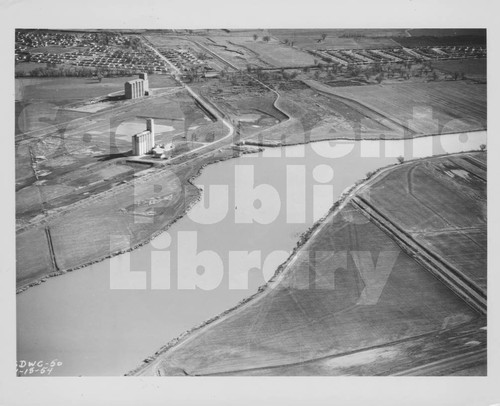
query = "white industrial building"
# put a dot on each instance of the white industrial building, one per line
(138, 87)
(144, 142)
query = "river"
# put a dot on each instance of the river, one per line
(94, 326)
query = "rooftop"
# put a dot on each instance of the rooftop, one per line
(135, 80)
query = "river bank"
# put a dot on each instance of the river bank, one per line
(73, 289)
(191, 199)
(158, 363)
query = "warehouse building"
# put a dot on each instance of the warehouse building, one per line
(138, 87)
(144, 142)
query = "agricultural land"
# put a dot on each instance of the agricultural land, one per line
(320, 316)
(216, 94)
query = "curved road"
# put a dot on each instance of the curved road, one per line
(200, 100)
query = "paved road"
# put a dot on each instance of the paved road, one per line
(236, 68)
(200, 100)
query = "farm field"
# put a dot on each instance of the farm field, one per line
(392, 278)
(397, 358)
(138, 209)
(225, 47)
(168, 41)
(426, 108)
(442, 37)
(83, 159)
(274, 53)
(447, 32)
(64, 158)
(63, 90)
(40, 102)
(312, 39)
(319, 116)
(33, 258)
(174, 111)
(257, 112)
(451, 223)
(247, 107)
(471, 68)
(327, 303)
(244, 101)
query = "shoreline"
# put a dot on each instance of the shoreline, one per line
(189, 181)
(303, 239)
(279, 144)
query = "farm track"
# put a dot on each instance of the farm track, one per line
(459, 361)
(457, 358)
(51, 249)
(459, 284)
(54, 129)
(208, 105)
(256, 55)
(472, 357)
(362, 108)
(275, 104)
(218, 57)
(448, 107)
(444, 185)
(225, 47)
(476, 163)
(421, 201)
(450, 339)
(159, 172)
(469, 165)
(151, 175)
(204, 151)
(462, 285)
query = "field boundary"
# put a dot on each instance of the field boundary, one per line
(319, 87)
(460, 284)
(346, 197)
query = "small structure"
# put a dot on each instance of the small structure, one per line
(144, 142)
(211, 74)
(138, 87)
(162, 151)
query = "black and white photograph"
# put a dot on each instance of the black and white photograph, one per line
(208, 201)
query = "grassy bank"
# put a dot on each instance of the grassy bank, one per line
(212, 347)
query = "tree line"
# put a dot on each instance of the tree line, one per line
(76, 71)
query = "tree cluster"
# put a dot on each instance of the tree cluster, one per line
(52, 70)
